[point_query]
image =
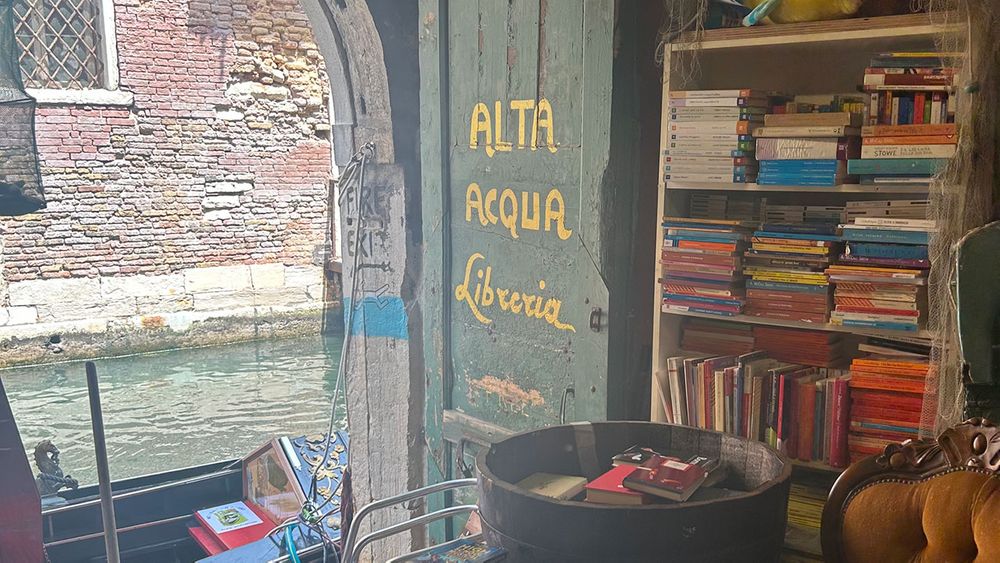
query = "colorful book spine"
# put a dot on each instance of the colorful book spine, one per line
(907, 151)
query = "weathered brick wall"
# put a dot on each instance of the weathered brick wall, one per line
(222, 162)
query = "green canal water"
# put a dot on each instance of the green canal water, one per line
(181, 407)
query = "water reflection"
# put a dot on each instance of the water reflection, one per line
(179, 408)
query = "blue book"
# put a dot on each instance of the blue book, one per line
(673, 241)
(782, 286)
(702, 311)
(886, 236)
(889, 427)
(766, 180)
(896, 166)
(700, 299)
(879, 325)
(684, 233)
(800, 165)
(797, 236)
(877, 250)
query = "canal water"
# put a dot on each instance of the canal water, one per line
(179, 408)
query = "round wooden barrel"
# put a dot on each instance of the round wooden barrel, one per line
(747, 525)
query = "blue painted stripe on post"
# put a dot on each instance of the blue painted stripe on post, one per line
(379, 317)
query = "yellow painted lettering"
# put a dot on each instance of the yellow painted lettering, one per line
(552, 307)
(555, 210)
(462, 290)
(515, 306)
(474, 201)
(509, 217)
(481, 124)
(502, 298)
(488, 202)
(530, 223)
(544, 120)
(521, 106)
(488, 292)
(500, 144)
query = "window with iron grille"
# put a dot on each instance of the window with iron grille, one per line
(62, 44)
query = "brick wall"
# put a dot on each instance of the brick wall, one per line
(219, 169)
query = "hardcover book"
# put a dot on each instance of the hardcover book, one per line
(608, 488)
(666, 477)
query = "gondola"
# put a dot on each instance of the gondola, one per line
(155, 513)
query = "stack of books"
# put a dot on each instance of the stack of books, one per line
(886, 290)
(711, 135)
(640, 475)
(786, 269)
(720, 337)
(701, 261)
(807, 149)
(887, 394)
(793, 214)
(722, 205)
(910, 131)
(806, 499)
(808, 347)
(911, 88)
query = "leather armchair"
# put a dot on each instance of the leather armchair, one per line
(922, 500)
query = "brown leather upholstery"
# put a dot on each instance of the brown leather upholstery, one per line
(951, 517)
(926, 501)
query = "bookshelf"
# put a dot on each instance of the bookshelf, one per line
(761, 321)
(891, 189)
(807, 59)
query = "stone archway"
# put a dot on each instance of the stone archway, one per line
(370, 50)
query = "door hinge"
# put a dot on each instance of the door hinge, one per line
(595, 319)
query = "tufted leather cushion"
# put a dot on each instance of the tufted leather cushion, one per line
(952, 517)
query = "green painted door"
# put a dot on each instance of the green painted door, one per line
(515, 136)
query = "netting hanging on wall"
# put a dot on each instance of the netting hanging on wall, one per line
(20, 178)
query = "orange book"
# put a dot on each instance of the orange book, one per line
(912, 140)
(907, 384)
(909, 130)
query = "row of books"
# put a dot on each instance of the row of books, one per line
(710, 134)
(759, 397)
(887, 390)
(881, 280)
(910, 88)
(815, 395)
(639, 475)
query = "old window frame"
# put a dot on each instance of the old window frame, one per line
(109, 94)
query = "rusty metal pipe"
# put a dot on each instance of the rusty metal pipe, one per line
(103, 473)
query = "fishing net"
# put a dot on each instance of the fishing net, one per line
(20, 178)
(962, 196)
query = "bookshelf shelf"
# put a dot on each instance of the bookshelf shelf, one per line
(871, 32)
(924, 334)
(843, 188)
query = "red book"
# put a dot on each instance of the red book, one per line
(666, 477)
(608, 488)
(234, 524)
(839, 429)
(807, 419)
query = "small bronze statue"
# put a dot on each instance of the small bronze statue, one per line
(50, 478)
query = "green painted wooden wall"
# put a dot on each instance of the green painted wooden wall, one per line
(531, 197)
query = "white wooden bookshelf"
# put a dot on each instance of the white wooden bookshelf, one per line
(839, 189)
(811, 58)
(830, 327)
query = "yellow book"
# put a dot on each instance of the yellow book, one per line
(561, 487)
(789, 279)
(822, 250)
